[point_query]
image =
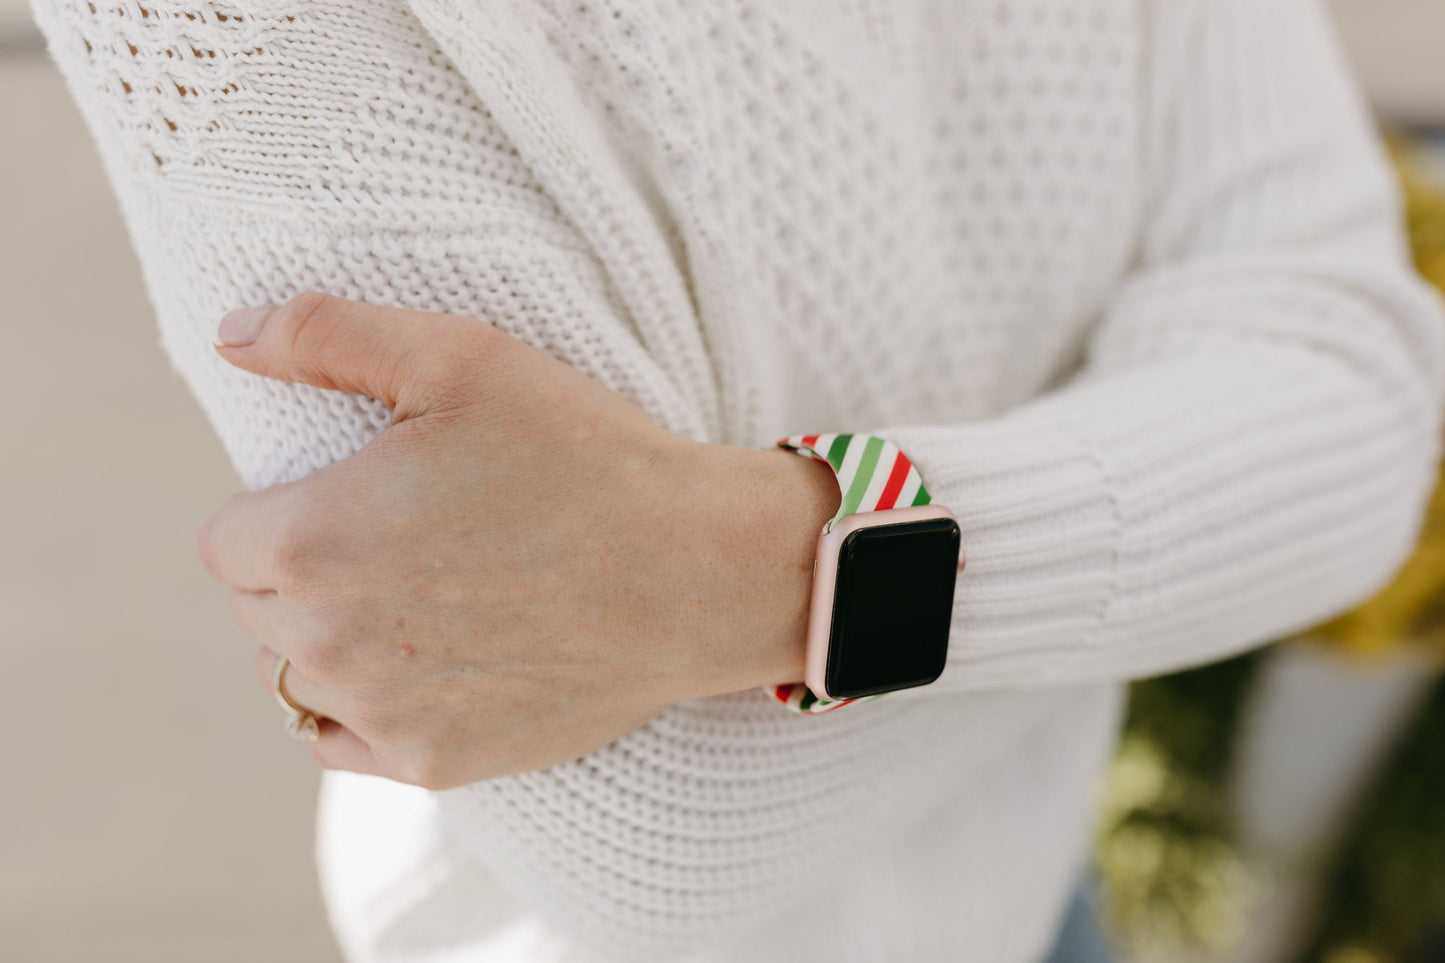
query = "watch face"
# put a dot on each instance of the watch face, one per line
(892, 607)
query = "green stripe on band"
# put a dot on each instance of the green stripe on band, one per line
(854, 495)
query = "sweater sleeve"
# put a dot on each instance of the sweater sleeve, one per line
(1250, 443)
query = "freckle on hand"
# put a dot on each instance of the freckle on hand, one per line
(401, 621)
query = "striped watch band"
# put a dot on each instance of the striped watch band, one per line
(873, 474)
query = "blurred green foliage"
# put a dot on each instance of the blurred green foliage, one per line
(1176, 884)
(1165, 844)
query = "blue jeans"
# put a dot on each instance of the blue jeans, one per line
(1080, 939)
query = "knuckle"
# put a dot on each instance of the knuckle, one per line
(299, 329)
(295, 317)
(296, 563)
(320, 657)
(454, 373)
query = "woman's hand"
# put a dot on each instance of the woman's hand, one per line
(522, 568)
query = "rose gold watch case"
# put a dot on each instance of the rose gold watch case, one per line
(825, 580)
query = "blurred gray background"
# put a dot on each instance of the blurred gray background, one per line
(153, 809)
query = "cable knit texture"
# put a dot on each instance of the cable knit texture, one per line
(1123, 278)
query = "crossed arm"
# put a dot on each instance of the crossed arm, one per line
(1246, 448)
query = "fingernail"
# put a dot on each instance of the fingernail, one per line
(241, 326)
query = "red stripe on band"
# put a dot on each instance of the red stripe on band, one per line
(901, 465)
(810, 440)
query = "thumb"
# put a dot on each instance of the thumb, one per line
(405, 359)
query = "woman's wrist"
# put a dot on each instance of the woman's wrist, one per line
(765, 510)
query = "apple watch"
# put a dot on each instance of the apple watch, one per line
(883, 578)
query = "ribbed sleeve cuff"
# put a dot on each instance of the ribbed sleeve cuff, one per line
(1149, 520)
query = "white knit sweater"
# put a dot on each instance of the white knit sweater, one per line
(1124, 279)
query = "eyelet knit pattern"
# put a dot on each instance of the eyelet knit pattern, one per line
(1124, 279)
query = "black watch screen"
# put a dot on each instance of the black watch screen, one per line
(892, 607)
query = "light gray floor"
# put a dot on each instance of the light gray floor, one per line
(151, 807)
